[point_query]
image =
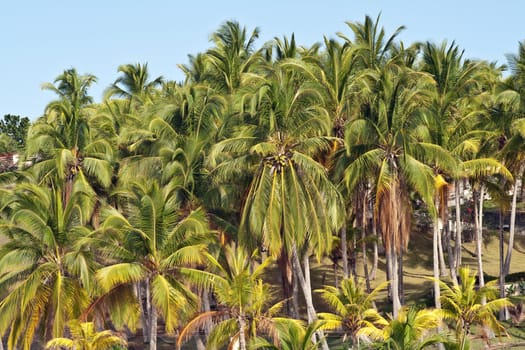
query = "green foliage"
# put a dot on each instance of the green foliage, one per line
(15, 127)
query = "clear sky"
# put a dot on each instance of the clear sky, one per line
(41, 38)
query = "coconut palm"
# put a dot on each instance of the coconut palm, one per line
(85, 337)
(278, 150)
(292, 336)
(455, 83)
(353, 308)
(61, 142)
(412, 329)
(383, 143)
(233, 57)
(242, 312)
(151, 245)
(134, 85)
(467, 305)
(47, 270)
(334, 75)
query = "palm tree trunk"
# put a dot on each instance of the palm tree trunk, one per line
(478, 214)
(503, 312)
(375, 262)
(396, 303)
(388, 258)
(442, 266)
(295, 296)
(242, 329)
(435, 263)
(452, 261)
(364, 226)
(344, 251)
(401, 277)
(353, 260)
(153, 327)
(304, 281)
(458, 226)
(512, 228)
(285, 267)
(140, 291)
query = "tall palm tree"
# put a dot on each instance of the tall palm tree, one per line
(374, 48)
(152, 244)
(233, 57)
(383, 142)
(134, 85)
(277, 150)
(62, 143)
(334, 74)
(47, 270)
(455, 83)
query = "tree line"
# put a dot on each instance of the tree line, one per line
(167, 200)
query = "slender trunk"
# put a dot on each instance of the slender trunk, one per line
(375, 262)
(364, 226)
(295, 297)
(200, 343)
(503, 311)
(140, 291)
(152, 325)
(353, 259)
(512, 228)
(344, 251)
(304, 281)
(388, 259)
(396, 303)
(458, 225)
(336, 276)
(478, 212)
(442, 266)
(450, 253)
(286, 279)
(435, 263)
(400, 277)
(242, 330)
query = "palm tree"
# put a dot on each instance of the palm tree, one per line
(149, 250)
(374, 49)
(467, 305)
(334, 75)
(412, 329)
(455, 83)
(233, 58)
(61, 142)
(134, 85)
(292, 336)
(47, 270)
(353, 308)
(85, 337)
(384, 143)
(277, 149)
(243, 311)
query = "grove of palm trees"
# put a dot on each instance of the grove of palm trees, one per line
(194, 212)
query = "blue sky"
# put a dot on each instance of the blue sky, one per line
(39, 39)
